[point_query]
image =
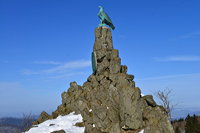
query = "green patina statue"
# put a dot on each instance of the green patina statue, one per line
(94, 62)
(104, 18)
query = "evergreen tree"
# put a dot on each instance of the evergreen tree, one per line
(189, 127)
(192, 124)
(177, 130)
(196, 124)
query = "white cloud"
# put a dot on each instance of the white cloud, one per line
(48, 62)
(61, 76)
(166, 77)
(177, 58)
(189, 35)
(68, 65)
(29, 72)
(60, 68)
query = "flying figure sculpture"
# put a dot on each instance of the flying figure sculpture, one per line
(104, 18)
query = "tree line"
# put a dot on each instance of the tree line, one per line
(191, 124)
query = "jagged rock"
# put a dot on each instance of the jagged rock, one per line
(123, 69)
(59, 131)
(130, 131)
(51, 124)
(80, 124)
(108, 101)
(149, 100)
(103, 39)
(43, 117)
(156, 120)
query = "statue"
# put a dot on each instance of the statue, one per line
(104, 18)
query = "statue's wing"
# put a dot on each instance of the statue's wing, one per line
(99, 14)
(106, 17)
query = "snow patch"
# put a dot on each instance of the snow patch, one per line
(93, 125)
(66, 123)
(142, 131)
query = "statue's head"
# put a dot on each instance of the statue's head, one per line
(100, 7)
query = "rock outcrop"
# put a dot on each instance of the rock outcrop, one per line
(109, 101)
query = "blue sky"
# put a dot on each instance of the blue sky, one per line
(46, 44)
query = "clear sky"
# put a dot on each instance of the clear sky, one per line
(46, 44)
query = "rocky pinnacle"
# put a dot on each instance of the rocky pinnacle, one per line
(109, 101)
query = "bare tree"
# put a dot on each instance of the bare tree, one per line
(27, 120)
(164, 97)
(16, 130)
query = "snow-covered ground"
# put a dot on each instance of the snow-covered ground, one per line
(65, 123)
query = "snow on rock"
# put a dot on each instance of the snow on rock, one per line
(93, 125)
(65, 123)
(142, 131)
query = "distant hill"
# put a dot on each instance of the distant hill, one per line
(11, 121)
(182, 113)
(13, 125)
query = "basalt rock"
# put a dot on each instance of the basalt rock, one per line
(43, 117)
(59, 131)
(109, 101)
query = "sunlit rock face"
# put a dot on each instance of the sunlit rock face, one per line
(109, 101)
